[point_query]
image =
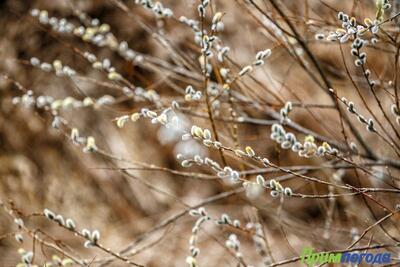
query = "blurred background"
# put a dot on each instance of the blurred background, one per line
(40, 168)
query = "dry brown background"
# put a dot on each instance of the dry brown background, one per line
(40, 168)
